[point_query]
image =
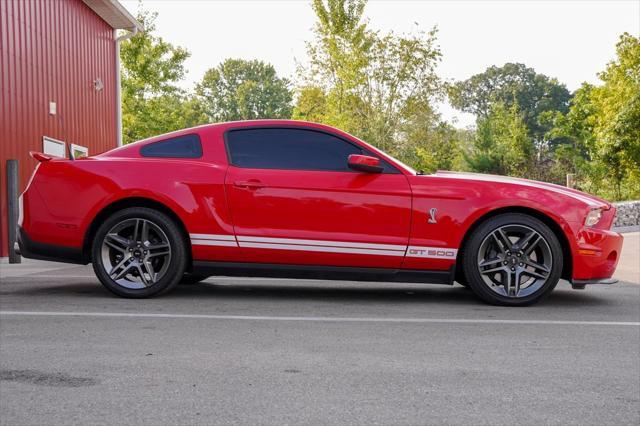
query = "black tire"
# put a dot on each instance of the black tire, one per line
(544, 246)
(461, 279)
(190, 279)
(176, 262)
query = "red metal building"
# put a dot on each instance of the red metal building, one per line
(59, 82)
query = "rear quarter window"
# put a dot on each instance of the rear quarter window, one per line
(187, 146)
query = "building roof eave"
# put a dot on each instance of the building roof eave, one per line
(114, 14)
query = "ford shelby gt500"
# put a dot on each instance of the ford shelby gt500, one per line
(282, 198)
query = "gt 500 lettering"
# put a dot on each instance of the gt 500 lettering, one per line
(432, 252)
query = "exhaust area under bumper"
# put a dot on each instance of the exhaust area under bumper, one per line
(581, 284)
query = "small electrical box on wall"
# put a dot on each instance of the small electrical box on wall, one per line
(52, 108)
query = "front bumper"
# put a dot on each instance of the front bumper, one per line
(596, 257)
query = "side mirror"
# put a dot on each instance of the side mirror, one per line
(364, 163)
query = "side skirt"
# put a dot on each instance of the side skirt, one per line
(313, 272)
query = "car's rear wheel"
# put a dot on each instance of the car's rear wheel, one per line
(139, 252)
(513, 260)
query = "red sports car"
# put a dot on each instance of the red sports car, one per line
(283, 198)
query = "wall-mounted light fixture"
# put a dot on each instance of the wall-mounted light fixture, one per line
(98, 84)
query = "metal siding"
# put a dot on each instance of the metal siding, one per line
(52, 50)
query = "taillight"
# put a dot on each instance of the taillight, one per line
(20, 211)
(35, 170)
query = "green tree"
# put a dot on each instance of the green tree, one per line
(577, 153)
(338, 57)
(152, 103)
(440, 148)
(601, 130)
(502, 144)
(617, 120)
(244, 90)
(367, 83)
(513, 83)
(311, 104)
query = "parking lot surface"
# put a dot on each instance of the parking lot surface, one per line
(267, 351)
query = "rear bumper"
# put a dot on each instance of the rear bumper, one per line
(596, 256)
(35, 250)
(581, 284)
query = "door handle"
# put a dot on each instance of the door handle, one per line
(249, 184)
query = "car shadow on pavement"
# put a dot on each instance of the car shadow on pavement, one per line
(338, 292)
(309, 291)
(425, 293)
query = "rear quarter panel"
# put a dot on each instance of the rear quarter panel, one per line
(66, 196)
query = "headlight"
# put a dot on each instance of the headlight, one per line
(593, 217)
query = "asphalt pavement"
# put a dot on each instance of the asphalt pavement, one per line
(271, 351)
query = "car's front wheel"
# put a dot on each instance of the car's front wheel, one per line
(139, 252)
(513, 260)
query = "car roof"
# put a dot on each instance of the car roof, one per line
(127, 149)
(225, 125)
(241, 123)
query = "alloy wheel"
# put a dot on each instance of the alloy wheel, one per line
(514, 261)
(136, 253)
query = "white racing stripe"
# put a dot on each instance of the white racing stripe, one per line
(243, 238)
(218, 240)
(324, 249)
(470, 321)
(212, 237)
(326, 246)
(214, 243)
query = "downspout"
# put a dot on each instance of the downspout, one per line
(133, 31)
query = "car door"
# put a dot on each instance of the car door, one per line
(294, 200)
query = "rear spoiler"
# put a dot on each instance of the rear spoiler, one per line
(42, 158)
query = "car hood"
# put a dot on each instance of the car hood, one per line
(572, 193)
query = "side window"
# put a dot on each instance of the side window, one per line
(289, 149)
(187, 146)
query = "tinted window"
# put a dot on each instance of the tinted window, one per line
(187, 146)
(289, 149)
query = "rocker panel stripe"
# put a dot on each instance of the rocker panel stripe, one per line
(214, 243)
(324, 246)
(212, 237)
(325, 249)
(294, 241)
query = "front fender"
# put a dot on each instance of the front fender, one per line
(462, 204)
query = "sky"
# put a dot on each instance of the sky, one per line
(570, 40)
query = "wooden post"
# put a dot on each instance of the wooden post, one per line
(570, 180)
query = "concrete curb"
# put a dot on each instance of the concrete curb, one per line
(627, 229)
